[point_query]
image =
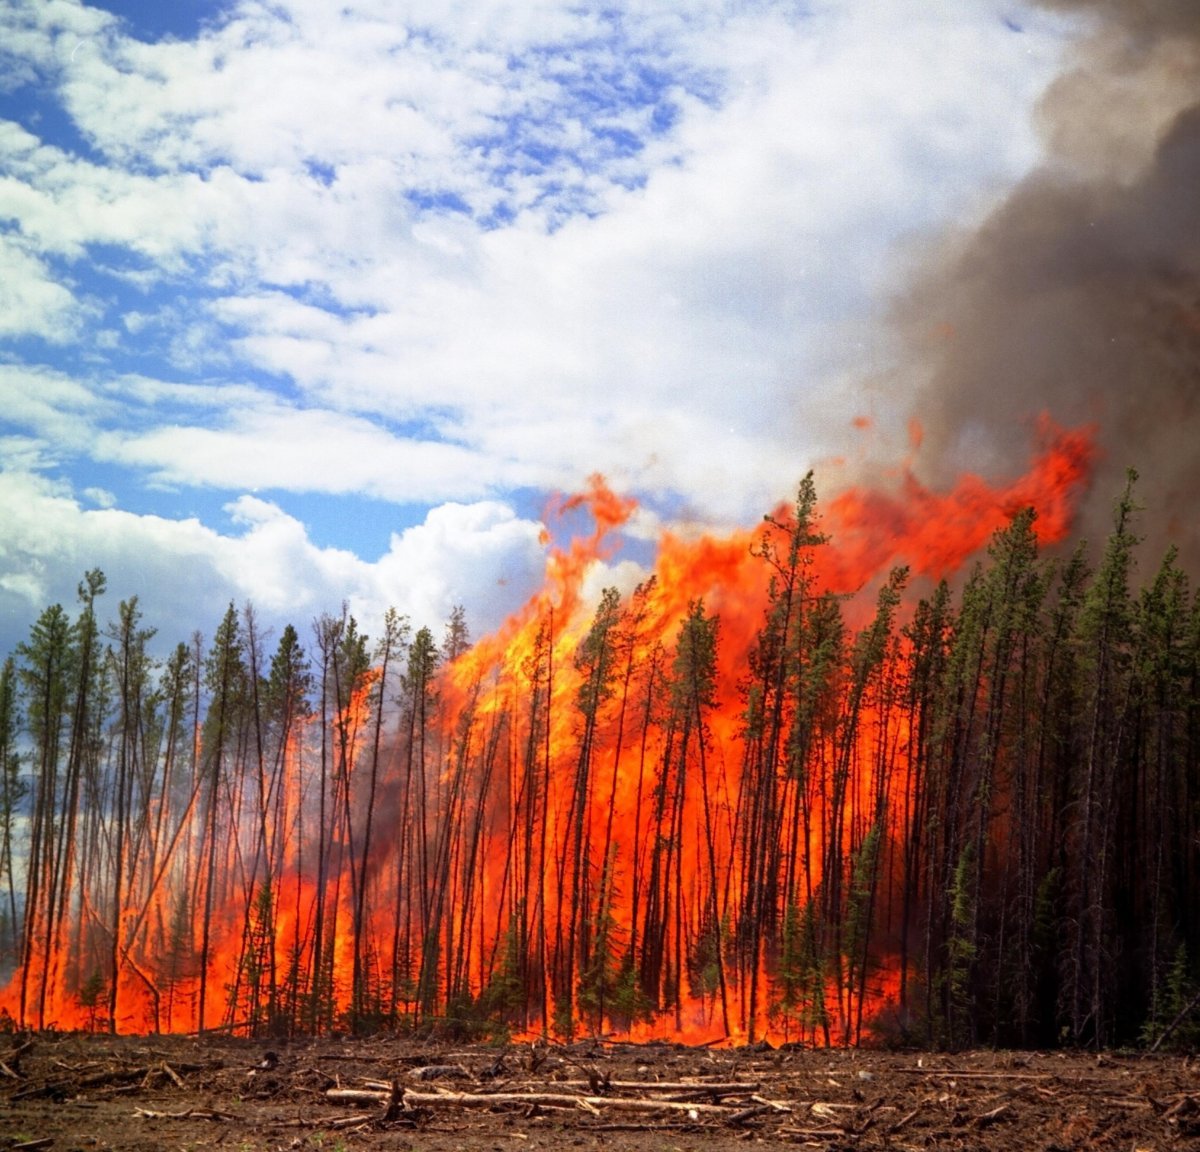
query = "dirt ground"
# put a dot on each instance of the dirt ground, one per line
(71, 1092)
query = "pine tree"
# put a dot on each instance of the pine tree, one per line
(693, 690)
(1105, 637)
(871, 649)
(132, 674)
(224, 674)
(781, 684)
(595, 662)
(12, 791)
(46, 662)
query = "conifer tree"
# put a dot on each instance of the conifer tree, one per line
(12, 792)
(224, 676)
(595, 664)
(46, 662)
(1105, 639)
(132, 673)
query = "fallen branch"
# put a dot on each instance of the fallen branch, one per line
(186, 1114)
(1066, 1078)
(440, 1072)
(162, 1068)
(1186, 1103)
(1132, 1102)
(989, 1118)
(14, 1056)
(358, 1096)
(642, 1126)
(828, 1110)
(713, 1088)
(749, 1113)
(126, 1076)
(905, 1119)
(525, 1099)
(774, 1105)
(681, 1092)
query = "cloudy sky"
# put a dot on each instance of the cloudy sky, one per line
(303, 302)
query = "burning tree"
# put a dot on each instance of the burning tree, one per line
(739, 800)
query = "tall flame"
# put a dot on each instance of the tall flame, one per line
(583, 820)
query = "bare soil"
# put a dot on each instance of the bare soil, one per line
(73, 1092)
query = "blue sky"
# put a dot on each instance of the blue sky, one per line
(304, 303)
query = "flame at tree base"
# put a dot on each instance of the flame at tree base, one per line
(711, 809)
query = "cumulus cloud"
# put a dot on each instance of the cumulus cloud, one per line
(184, 573)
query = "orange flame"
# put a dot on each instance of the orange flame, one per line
(558, 827)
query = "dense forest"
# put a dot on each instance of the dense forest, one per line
(752, 796)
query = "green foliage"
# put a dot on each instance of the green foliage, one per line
(1173, 1020)
(820, 640)
(603, 973)
(563, 1019)
(91, 997)
(503, 999)
(466, 1020)
(457, 638)
(13, 789)
(252, 996)
(225, 679)
(423, 660)
(596, 655)
(46, 661)
(290, 682)
(1107, 606)
(695, 665)
(799, 984)
(626, 1003)
(1047, 914)
(960, 952)
(704, 960)
(859, 903)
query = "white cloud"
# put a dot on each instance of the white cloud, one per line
(101, 497)
(64, 204)
(56, 410)
(267, 445)
(32, 301)
(428, 253)
(708, 297)
(481, 555)
(184, 573)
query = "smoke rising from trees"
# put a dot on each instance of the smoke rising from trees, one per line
(1080, 294)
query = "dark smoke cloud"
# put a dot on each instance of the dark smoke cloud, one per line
(1148, 19)
(1080, 295)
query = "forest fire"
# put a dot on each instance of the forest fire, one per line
(758, 795)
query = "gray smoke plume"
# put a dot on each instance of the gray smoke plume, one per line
(1080, 295)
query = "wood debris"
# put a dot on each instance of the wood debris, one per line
(186, 1114)
(480, 1100)
(447, 1098)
